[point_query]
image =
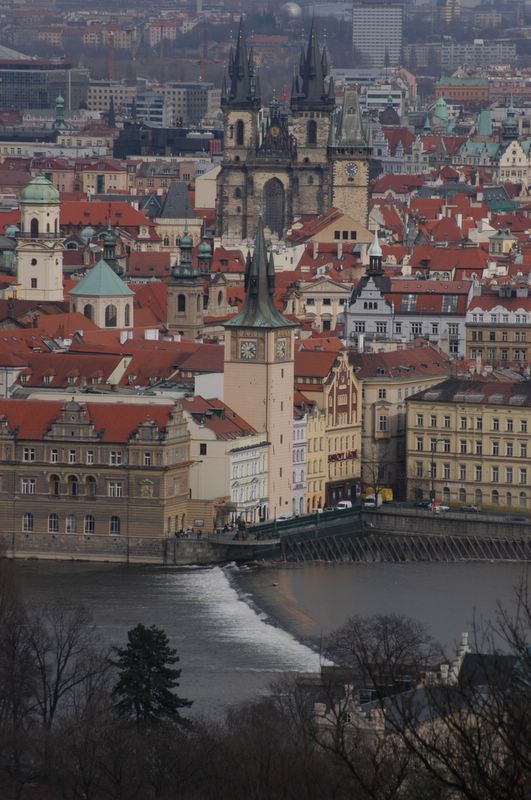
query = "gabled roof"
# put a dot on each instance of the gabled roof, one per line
(413, 363)
(101, 281)
(313, 364)
(176, 204)
(218, 417)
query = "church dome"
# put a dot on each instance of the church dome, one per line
(291, 10)
(87, 233)
(39, 190)
(389, 116)
(185, 273)
(204, 250)
(186, 240)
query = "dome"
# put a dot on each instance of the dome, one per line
(186, 240)
(39, 190)
(87, 233)
(291, 10)
(389, 116)
(12, 230)
(185, 273)
(204, 250)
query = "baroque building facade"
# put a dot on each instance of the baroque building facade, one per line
(282, 165)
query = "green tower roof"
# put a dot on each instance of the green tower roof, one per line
(101, 281)
(39, 190)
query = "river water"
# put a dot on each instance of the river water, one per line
(237, 630)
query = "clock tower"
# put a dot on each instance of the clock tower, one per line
(349, 152)
(259, 372)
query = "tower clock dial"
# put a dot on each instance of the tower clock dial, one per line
(351, 168)
(248, 350)
(281, 349)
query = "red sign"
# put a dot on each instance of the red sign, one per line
(350, 454)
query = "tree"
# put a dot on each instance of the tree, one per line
(147, 678)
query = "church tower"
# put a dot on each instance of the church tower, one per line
(240, 103)
(39, 250)
(259, 371)
(349, 153)
(185, 294)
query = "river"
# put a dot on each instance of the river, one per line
(236, 630)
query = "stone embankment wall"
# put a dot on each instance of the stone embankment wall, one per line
(417, 521)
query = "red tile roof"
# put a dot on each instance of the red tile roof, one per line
(313, 364)
(217, 417)
(115, 422)
(414, 363)
(148, 265)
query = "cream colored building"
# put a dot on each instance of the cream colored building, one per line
(317, 465)
(229, 462)
(321, 302)
(469, 442)
(388, 379)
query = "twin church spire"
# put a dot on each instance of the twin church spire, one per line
(241, 87)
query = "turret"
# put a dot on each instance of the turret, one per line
(375, 257)
(310, 91)
(241, 88)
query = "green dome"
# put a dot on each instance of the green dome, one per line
(39, 190)
(185, 273)
(186, 240)
(204, 250)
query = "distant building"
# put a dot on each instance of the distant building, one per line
(469, 441)
(36, 83)
(478, 53)
(498, 326)
(377, 33)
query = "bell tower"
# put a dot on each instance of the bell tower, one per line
(241, 106)
(39, 250)
(349, 153)
(259, 371)
(185, 294)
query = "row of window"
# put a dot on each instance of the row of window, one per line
(87, 524)
(480, 473)
(496, 497)
(115, 457)
(477, 447)
(519, 336)
(503, 318)
(114, 488)
(466, 423)
(416, 328)
(519, 354)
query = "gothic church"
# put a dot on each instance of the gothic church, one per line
(281, 166)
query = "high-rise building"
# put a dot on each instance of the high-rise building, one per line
(27, 83)
(377, 33)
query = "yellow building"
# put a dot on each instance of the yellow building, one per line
(316, 462)
(327, 379)
(469, 442)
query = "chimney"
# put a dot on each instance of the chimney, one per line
(361, 342)
(340, 249)
(459, 219)
(315, 251)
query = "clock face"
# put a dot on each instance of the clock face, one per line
(352, 168)
(281, 348)
(248, 350)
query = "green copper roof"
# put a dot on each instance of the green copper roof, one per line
(258, 310)
(101, 281)
(484, 123)
(39, 190)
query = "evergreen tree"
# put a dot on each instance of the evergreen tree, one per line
(147, 678)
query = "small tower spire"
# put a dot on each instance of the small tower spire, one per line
(313, 69)
(375, 257)
(243, 86)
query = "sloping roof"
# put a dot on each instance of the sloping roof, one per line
(177, 203)
(114, 423)
(217, 417)
(424, 361)
(101, 281)
(516, 395)
(312, 364)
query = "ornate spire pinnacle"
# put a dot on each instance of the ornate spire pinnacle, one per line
(313, 69)
(258, 310)
(242, 86)
(375, 257)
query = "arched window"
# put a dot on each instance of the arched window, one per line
(274, 206)
(522, 500)
(73, 486)
(88, 311)
(508, 499)
(115, 526)
(110, 316)
(198, 304)
(166, 241)
(220, 298)
(53, 523)
(462, 495)
(127, 315)
(478, 497)
(27, 522)
(495, 497)
(311, 132)
(90, 524)
(181, 304)
(71, 523)
(240, 131)
(237, 192)
(55, 485)
(91, 487)
(34, 227)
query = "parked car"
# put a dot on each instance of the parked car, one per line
(284, 517)
(438, 508)
(471, 508)
(422, 503)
